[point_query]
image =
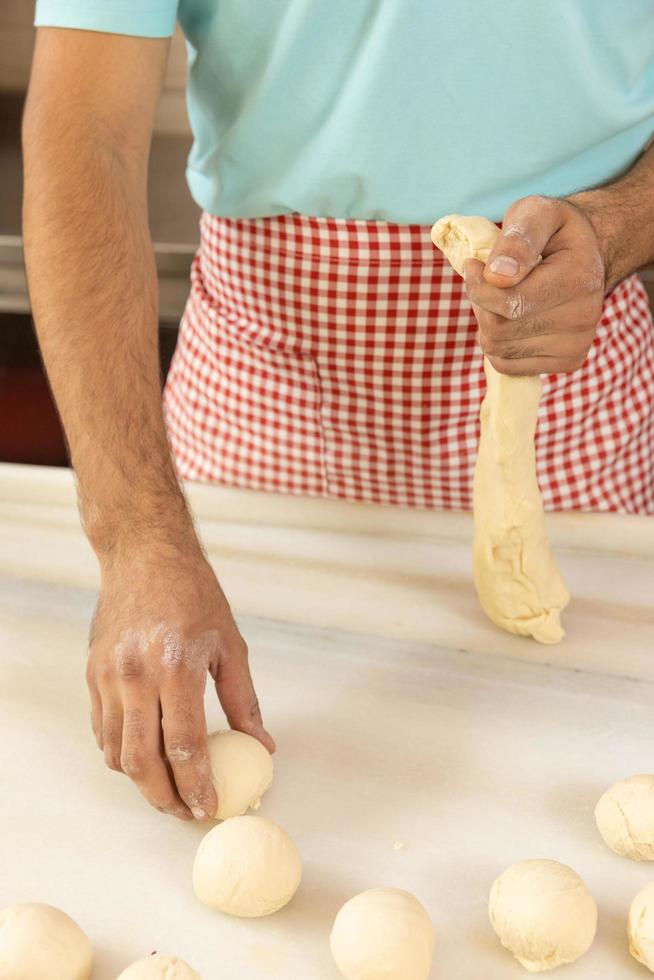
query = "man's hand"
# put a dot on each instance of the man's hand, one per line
(539, 317)
(161, 625)
(162, 621)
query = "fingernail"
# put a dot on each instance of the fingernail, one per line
(199, 814)
(504, 265)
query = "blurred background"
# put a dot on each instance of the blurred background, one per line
(29, 427)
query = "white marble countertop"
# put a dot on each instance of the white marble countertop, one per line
(418, 723)
(369, 569)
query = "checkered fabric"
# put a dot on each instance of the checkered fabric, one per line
(338, 358)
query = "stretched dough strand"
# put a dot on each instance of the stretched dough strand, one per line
(518, 583)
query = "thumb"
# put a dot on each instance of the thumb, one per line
(527, 228)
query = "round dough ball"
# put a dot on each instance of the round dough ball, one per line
(382, 934)
(625, 818)
(241, 771)
(543, 913)
(641, 927)
(39, 942)
(159, 967)
(247, 866)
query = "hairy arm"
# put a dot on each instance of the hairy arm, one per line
(162, 622)
(92, 276)
(622, 214)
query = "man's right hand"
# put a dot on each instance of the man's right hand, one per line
(162, 623)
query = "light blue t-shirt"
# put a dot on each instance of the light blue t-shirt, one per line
(399, 109)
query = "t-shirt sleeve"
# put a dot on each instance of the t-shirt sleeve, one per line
(141, 18)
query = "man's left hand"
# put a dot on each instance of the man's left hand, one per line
(539, 317)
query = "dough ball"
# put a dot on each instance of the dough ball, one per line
(40, 942)
(625, 818)
(159, 967)
(543, 912)
(641, 927)
(247, 866)
(241, 771)
(462, 236)
(382, 934)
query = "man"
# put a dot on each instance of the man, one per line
(326, 347)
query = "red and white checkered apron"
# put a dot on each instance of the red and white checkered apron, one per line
(338, 358)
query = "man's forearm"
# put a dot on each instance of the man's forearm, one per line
(93, 290)
(622, 214)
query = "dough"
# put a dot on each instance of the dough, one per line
(543, 913)
(40, 942)
(247, 866)
(517, 580)
(241, 770)
(159, 967)
(640, 927)
(383, 934)
(518, 583)
(625, 818)
(461, 237)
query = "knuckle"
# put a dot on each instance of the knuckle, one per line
(236, 651)
(185, 666)
(100, 673)
(135, 728)
(134, 764)
(241, 649)
(183, 713)
(182, 748)
(514, 352)
(515, 306)
(130, 666)
(537, 327)
(110, 736)
(533, 201)
(174, 665)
